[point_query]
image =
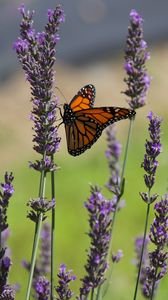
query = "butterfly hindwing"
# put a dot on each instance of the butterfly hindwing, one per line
(89, 124)
(84, 123)
(84, 98)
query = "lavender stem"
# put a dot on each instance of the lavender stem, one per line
(99, 296)
(92, 294)
(153, 285)
(126, 151)
(37, 233)
(143, 244)
(34, 253)
(52, 234)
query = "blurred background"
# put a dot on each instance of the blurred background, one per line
(91, 50)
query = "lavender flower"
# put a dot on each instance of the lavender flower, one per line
(113, 153)
(42, 288)
(153, 149)
(136, 55)
(6, 192)
(100, 219)
(4, 236)
(158, 258)
(63, 291)
(39, 205)
(7, 292)
(117, 257)
(36, 53)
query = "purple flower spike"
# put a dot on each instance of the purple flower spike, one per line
(153, 149)
(44, 258)
(5, 289)
(36, 53)
(100, 218)
(65, 277)
(136, 55)
(6, 192)
(145, 259)
(113, 153)
(42, 288)
(157, 266)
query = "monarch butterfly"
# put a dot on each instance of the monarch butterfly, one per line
(84, 123)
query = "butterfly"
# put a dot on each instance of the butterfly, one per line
(84, 123)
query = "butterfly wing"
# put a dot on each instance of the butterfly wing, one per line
(89, 124)
(84, 99)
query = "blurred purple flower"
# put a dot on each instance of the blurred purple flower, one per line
(100, 219)
(113, 153)
(145, 258)
(136, 55)
(117, 257)
(43, 262)
(64, 279)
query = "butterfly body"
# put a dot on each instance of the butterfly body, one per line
(69, 116)
(84, 123)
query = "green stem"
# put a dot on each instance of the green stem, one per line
(34, 253)
(36, 234)
(142, 250)
(126, 149)
(153, 285)
(122, 178)
(99, 296)
(52, 235)
(92, 294)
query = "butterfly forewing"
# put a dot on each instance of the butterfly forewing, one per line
(84, 98)
(106, 115)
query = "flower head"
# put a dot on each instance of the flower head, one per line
(36, 53)
(100, 219)
(39, 205)
(42, 288)
(157, 266)
(64, 279)
(136, 55)
(6, 192)
(153, 149)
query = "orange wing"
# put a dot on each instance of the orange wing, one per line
(84, 98)
(89, 124)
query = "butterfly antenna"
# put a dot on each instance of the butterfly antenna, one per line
(61, 93)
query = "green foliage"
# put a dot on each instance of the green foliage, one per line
(72, 189)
